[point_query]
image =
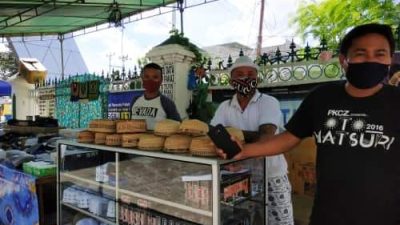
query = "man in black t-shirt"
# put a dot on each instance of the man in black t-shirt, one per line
(356, 125)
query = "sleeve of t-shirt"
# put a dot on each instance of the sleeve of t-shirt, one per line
(300, 125)
(170, 108)
(270, 111)
(219, 115)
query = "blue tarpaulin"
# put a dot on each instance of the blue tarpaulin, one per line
(18, 200)
(5, 88)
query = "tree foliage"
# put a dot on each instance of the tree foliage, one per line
(330, 19)
(180, 39)
(8, 65)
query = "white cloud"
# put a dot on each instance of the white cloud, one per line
(159, 25)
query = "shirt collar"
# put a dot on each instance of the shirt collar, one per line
(235, 102)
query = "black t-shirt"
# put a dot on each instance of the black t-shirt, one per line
(358, 155)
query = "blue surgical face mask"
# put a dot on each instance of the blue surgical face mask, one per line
(367, 74)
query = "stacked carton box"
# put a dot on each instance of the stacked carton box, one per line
(301, 165)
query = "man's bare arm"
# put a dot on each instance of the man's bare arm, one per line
(274, 145)
(251, 136)
(265, 130)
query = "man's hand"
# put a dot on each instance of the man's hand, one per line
(240, 155)
(275, 145)
(395, 79)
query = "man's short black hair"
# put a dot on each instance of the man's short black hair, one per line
(362, 30)
(152, 66)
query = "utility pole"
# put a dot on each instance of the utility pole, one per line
(173, 20)
(259, 39)
(123, 59)
(109, 56)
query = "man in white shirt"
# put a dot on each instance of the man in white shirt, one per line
(259, 116)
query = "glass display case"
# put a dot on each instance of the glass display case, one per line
(109, 185)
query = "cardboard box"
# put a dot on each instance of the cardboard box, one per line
(39, 169)
(301, 166)
(235, 188)
(32, 70)
(303, 179)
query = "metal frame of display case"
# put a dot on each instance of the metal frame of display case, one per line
(215, 164)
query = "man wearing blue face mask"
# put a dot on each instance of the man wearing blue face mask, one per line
(357, 131)
(259, 117)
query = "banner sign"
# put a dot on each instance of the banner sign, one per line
(119, 103)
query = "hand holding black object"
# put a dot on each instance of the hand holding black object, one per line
(223, 141)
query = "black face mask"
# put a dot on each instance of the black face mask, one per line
(366, 75)
(244, 86)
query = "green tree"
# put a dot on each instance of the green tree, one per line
(180, 39)
(330, 19)
(8, 65)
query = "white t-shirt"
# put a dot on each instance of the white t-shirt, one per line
(262, 109)
(150, 110)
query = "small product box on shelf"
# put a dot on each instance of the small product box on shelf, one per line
(39, 169)
(130, 213)
(235, 188)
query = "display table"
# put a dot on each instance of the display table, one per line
(127, 186)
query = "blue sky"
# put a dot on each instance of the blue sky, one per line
(210, 24)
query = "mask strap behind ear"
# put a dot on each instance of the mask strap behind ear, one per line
(346, 62)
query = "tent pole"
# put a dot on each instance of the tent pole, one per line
(61, 38)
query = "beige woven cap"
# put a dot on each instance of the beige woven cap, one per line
(177, 143)
(103, 126)
(151, 142)
(131, 126)
(130, 140)
(113, 140)
(193, 127)
(166, 127)
(237, 133)
(202, 146)
(100, 138)
(85, 137)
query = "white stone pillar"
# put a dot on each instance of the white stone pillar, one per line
(176, 61)
(25, 100)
